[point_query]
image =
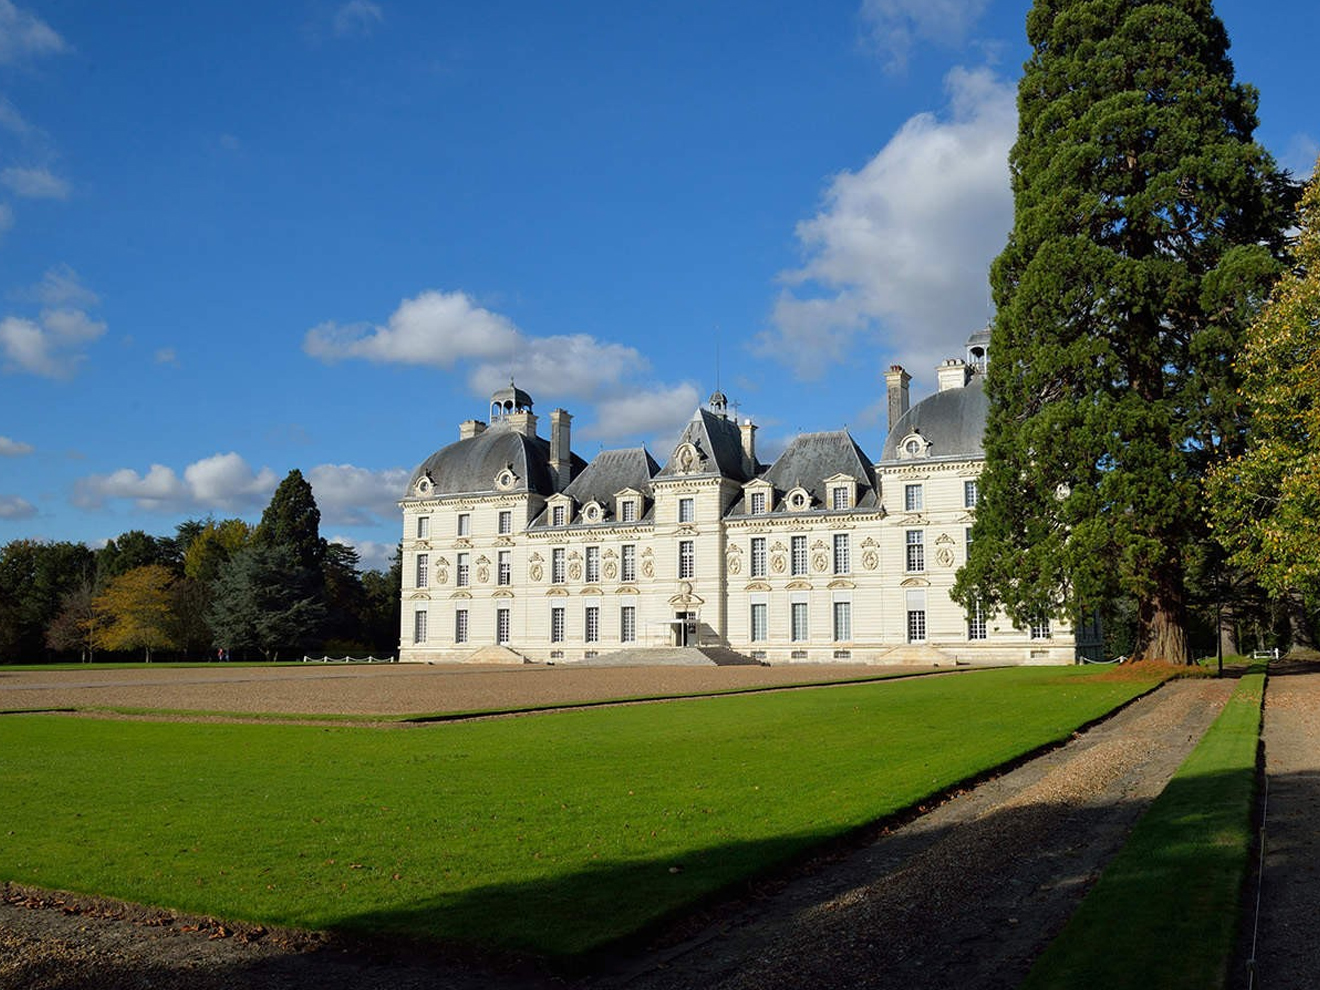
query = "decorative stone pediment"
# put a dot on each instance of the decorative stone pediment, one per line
(556, 592)
(841, 584)
(461, 594)
(626, 590)
(915, 582)
(590, 589)
(757, 586)
(799, 586)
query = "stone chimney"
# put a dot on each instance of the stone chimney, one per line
(523, 421)
(470, 428)
(561, 449)
(896, 385)
(748, 430)
(951, 374)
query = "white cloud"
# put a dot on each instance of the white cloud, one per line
(13, 507)
(443, 329)
(34, 183)
(354, 496)
(644, 414)
(356, 18)
(6, 219)
(222, 481)
(902, 248)
(50, 346)
(14, 448)
(893, 27)
(11, 119)
(167, 355)
(60, 286)
(1300, 155)
(23, 34)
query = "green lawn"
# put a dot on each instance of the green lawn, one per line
(553, 834)
(1165, 911)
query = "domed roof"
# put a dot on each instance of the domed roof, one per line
(499, 459)
(951, 423)
(511, 399)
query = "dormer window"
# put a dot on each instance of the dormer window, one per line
(839, 498)
(593, 513)
(912, 446)
(628, 510)
(557, 514)
(799, 500)
(758, 503)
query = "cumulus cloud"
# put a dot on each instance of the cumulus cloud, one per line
(644, 414)
(222, 481)
(50, 346)
(356, 18)
(13, 507)
(23, 35)
(893, 27)
(446, 329)
(354, 496)
(901, 248)
(34, 183)
(60, 286)
(14, 448)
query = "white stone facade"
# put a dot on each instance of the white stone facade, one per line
(515, 550)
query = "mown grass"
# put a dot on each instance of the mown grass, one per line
(1165, 911)
(553, 834)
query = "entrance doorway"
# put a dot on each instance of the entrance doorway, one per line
(685, 628)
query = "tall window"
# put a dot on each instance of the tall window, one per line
(505, 522)
(839, 497)
(758, 556)
(916, 625)
(557, 515)
(913, 498)
(687, 559)
(842, 563)
(592, 624)
(419, 626)
(760, 622)
(628, 624)
(975, 622)
(842, 622)
(504, 569)
(687, 510)
(461, 625)
(593, 565)
(463, 571)
(971, 494)
(423, 527)
(758, 503)
(501, 625)
(557, 565)
(628, 562)
(628, 510)
(799, 555)
(798, 621)
(916, 550)
(464, 524)
(423, 566)
(1040, 627)
(557, 624)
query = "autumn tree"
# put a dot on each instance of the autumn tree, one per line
(136, 611)
(76, 625)
(1147, 226)
(1265, 503)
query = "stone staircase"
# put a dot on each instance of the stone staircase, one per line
(668, 656)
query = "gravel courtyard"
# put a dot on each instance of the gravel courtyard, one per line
(386, 689)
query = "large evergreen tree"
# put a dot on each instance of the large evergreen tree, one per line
(293, 520)
(1147, 225)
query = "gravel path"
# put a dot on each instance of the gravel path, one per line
(966, 894)
(1287, 950)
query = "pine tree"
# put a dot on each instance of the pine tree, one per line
(1147, 225)
(1265, 504)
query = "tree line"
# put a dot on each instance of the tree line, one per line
(212, 588)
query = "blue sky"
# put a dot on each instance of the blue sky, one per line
(238, 238)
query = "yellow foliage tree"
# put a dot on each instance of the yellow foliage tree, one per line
(135, 611)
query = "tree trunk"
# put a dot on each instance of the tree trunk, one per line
(1299, 624)
(1162, 625)
(1228, 639)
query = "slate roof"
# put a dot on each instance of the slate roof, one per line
(470, 466)
(610, 472)
(952, 422)
(719, 441)
(813, 457)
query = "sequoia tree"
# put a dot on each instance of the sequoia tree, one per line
(1265, 504)
(1147, 226)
